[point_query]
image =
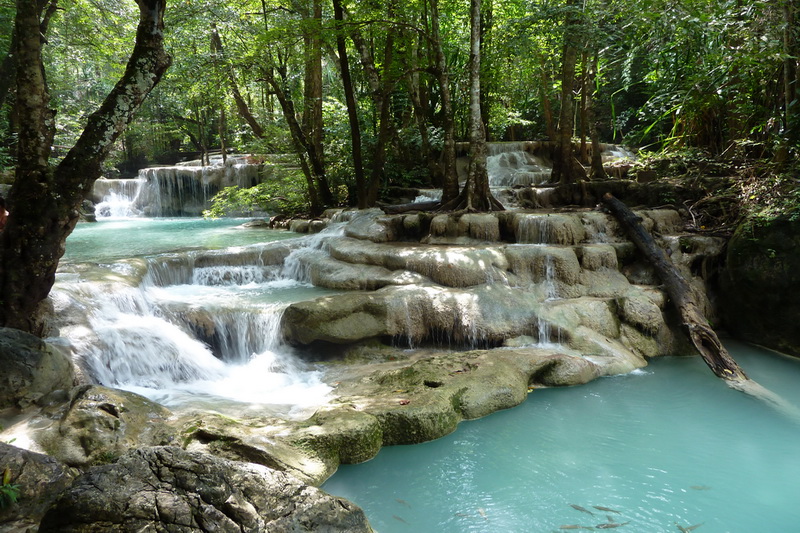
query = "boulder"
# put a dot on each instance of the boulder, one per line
(173, 490)
(39, 480)
(483, 315)
(32, 369)
(99, 424)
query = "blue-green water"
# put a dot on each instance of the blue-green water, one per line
(667, 446)
(119, 238)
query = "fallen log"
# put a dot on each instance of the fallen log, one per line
(680, 293)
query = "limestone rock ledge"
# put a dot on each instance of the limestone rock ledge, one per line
(170, 489)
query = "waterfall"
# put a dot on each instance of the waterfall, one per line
(191, 333)
(516, 168)
(115, 197)
(185, 189)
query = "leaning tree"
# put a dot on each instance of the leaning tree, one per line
(44, 201)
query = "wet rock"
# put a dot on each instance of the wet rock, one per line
(641, 312)
(172, 490)
(31, 368)
(451, 266)
(487, 314)
(549, 228)
(264, 441)
(370, 225)
(39, 480)
(463, 229)
(100, 424)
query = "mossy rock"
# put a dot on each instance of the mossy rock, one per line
(760, 283)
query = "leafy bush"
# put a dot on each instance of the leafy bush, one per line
(283, 192)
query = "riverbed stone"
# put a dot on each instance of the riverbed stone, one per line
(99, 424)
(266, 441)
(31, 368)
(173, 490)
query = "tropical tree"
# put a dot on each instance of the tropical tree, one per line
(45, 198)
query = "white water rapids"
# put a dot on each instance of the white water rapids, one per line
(194, 336)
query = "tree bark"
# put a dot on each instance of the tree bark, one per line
(449, 171)
(44, 202)
(476, 195)
(584, 151)
(312, 96)
(352, 109)
(8, 68)
(564, 164)
(680, 292)
(596, 167)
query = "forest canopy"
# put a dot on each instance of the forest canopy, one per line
(312, 78)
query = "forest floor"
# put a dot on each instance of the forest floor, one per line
(735, 187)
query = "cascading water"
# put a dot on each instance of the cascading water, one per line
(510, 164)
(181, 190)
(190, 335)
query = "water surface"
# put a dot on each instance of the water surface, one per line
(670, 445)
(111, 239)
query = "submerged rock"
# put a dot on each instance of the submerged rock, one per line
(172, 490)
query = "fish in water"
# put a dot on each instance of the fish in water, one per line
(482, 512)
(399, 519)
(688, 529)
(581, 509)
(610, 525)
(700, 487)
(606, 509)
(402, 502)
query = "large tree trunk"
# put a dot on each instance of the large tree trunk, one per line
(449, 172)
(487, 79)
(312, 104)
(597, 170)
(680, 292)
(476, 195)
(566, 168)
(8, 68)
(352, 110)
(44, 202)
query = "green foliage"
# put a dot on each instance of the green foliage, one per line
(9, 492)
(284, 193)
